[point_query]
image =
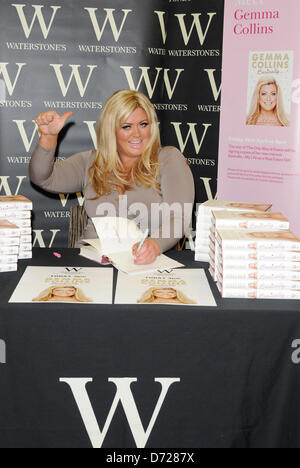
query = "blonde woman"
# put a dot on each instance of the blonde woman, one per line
(267, 105)
(62, 294)
(164, 296)
(129, 160)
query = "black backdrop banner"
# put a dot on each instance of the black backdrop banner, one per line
(73, 54)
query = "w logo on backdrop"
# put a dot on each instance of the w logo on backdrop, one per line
(152, 79)
(38, 16)
(191, 135)
(10, 83)
(9, 188)
(27, 141)
(110, 18)
(186, 33)
(215, 90)
(81, 85)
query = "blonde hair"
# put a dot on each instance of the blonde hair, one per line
(255, 106)
(47, 294)
(107, 169)
(149, 297)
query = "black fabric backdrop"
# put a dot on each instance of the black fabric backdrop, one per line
(72, 55)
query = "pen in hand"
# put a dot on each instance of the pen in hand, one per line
(145, 235)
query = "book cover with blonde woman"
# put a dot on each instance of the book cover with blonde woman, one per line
(68, 285)
(270, 88)
(174, 287)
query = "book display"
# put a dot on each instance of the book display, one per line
(247, 221)
(204, 222)
(17, 210)
(9, 246)
(258, 264)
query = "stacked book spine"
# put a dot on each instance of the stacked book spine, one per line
(247, 221)
(258, 264)
(9, 246)
(204, 222)
(17, 210)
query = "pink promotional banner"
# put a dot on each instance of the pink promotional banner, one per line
(259, 152)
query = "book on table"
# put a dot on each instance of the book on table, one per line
(9, 246)
(204, 221)
(116, 238)
(17, 210)
(185, 287)
(68, 285)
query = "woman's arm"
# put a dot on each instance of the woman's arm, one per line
(63, 177)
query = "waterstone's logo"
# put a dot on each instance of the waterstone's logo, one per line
(123, 396)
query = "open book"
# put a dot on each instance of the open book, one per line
(117, 236)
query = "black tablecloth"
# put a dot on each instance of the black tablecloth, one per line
(239, 386)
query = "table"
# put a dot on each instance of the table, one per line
(226, 374)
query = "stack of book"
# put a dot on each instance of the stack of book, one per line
(247, 221)
(259, 264)
(17, 210)
(204, 222)
(9, 246)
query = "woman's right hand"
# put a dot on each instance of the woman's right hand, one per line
(50, 123)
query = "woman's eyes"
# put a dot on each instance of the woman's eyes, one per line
(142, 125)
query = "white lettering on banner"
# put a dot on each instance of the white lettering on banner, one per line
(73, 105)
(211, 76)
(2, 352)
(37, 15)
(57, 214)
(125, 397)
(192, 132)
(3, 71)
(18, 159)
(296, 353)
(27, 143)
(93, 133)
(36, 46)
(4, 185)
(162, 24)
(202, 36)
(2, 91)
(64, 199)
(14, 103)
(109, 18)
(185, 34)
(144, 77)
(206, 181)
(208, 108)
(75, 73)
(39, 238)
